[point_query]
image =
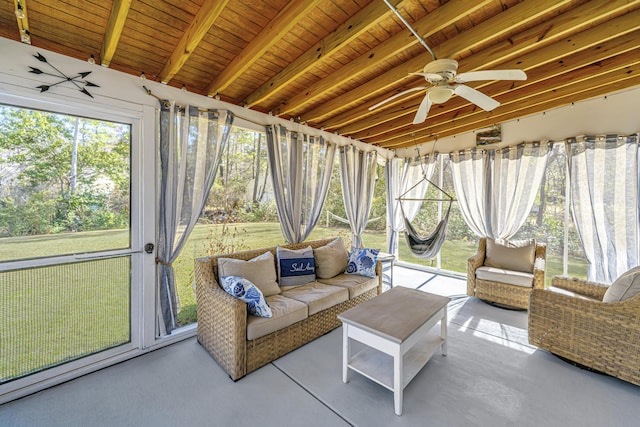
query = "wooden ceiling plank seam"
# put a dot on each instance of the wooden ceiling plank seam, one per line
(570, 86)
(610, 30)
(341, 36)
(536, 38)
(515, 17)
(198, 28)
(279, 26)
(443, 16)
(539, 108)
(117, 18)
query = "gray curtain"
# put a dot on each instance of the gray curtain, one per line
(401, 175)
(301, 167)
(191, 146)
(603, 174)
(496, 189)
(358, 175)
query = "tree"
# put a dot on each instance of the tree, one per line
(81, 164)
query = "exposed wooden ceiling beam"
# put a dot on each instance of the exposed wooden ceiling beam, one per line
(570, 90)
(351, 29)
(271, 34)
(199, 27)
(117, 18)
(23, 20)
(542, 35)
(437, 20)
(582, 49)
(492, 29)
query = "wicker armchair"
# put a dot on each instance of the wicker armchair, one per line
(504, 293)
(585, 330)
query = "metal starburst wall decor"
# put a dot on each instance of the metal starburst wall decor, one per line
(79, 81)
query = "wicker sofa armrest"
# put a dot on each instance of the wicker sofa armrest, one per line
(222, 321)
(580, 286)
(473, 263)
(539, 266)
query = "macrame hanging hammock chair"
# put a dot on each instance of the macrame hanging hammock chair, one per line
(428, 246)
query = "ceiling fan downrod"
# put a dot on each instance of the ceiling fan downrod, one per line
(410, 28)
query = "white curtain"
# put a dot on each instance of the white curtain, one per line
(471, 178)
(300, 167)
(517, 172)
(358, 177)
(603, 174)
(405, 176)
(496, 189)
(191, 146)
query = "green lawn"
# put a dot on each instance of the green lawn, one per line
(54, 314)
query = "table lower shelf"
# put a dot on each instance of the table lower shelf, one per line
(378, 366)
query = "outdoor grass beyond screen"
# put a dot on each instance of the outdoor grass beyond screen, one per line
(64, 209)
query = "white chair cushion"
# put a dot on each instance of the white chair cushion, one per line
(510, 277)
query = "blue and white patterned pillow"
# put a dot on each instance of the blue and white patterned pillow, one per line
(295, 266)
(362, 261)
(246, 291)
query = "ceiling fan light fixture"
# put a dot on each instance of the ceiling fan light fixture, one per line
(441, 94)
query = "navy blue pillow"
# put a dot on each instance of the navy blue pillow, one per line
(295, 267)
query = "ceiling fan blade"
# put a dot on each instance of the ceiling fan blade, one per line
(423, 110)
(397, 95)
(480, 99)
(474, 76)
(432, 77)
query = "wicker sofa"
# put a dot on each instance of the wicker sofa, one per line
(222, 319)
(571, 320)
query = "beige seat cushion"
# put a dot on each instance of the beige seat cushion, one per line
(286, 312)
(624, 287)
(331, 259)
(317, 296)
(517, 278)
(518, 255)
(356, 284)
(261, 271)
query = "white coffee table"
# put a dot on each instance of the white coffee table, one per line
(397, 328)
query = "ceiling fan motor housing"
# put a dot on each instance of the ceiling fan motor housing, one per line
(446, 68)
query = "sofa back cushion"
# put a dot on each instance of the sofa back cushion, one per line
(261, 271)
(516, 255)
(625, 286)
(295, 266)
(331, 259)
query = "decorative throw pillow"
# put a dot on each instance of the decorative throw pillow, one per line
(624, 287)
(331, 259)
(295, 267)
(362, 261)
(261, 271)
(246, 291)
(516, 255)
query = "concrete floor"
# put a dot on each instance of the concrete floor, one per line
(491, 377)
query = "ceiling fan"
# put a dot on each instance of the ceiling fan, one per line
(441, 74)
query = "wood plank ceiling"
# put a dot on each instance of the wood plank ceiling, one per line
(325, 62)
